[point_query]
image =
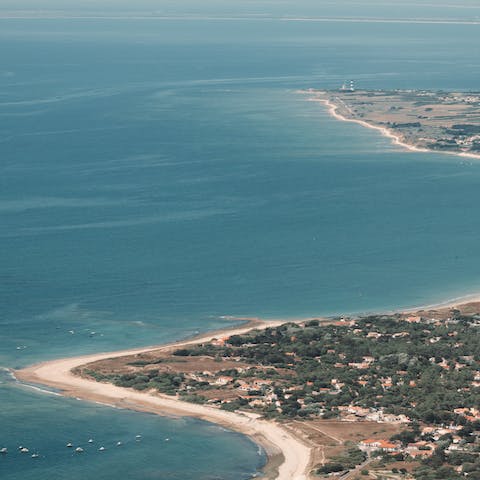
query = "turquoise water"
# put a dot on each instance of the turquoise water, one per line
(159, 175)
(168, 448)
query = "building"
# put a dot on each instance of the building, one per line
(370, 445)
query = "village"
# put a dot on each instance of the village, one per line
(427, 120)
(416, 374)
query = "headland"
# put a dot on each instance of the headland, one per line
(315, 393)
(417, 120)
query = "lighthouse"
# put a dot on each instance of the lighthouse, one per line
(348, 86)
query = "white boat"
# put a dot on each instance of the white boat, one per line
(119, 443)
(35, 455)
(3, 450)
(101, 449)
(79, 449)
(69, 445)
(138, 437)
(90, 440)
(24, 450)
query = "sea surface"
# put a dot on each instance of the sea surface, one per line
(158, 176)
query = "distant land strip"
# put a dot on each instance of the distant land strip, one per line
(417, 120)
(52, 15)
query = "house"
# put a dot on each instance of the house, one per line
(400, 335)
(417, 445)
(383, 445)
(413, 319)
(416, 453)
(386, 382)
(354, 410)
(390, 418)
(359, 366)
(223, 380)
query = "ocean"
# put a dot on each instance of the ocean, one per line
(159, 176)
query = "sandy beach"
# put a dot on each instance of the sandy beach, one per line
(396, 139)
(288, 457)
(447, 304)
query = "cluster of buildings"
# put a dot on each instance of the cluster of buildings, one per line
(352, 413)
(471, 414)
(421, 449)
(259, 393)
(431, 437)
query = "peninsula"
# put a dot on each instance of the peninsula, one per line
(392, 395)
(419, 120)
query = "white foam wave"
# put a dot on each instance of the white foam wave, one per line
(168, 217)
(36, 203)
(41, 390)
(78, 95)
(9, 373)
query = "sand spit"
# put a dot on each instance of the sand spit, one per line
(386, 132)
(289, 458)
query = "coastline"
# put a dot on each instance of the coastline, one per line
(386, 132)
(288, 458)
(452, 303)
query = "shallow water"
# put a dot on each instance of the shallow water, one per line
(156, 176)
(168, 448)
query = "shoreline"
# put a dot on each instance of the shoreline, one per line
(386, 132)
(288, 458)
(452, 303)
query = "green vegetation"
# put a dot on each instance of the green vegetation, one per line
(350, 459)
(421, 370)
(152, 379)
(418, 371)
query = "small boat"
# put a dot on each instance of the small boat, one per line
(4, 450)
(35, 455)
(69, 445)
(79, 449)
(119, 443)
(101, 449)
(167, 439)
(24, 450)
(138, 437)
(90, 440)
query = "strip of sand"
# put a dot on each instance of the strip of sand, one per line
(452, 303)
(289, 458)
(333, 110)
